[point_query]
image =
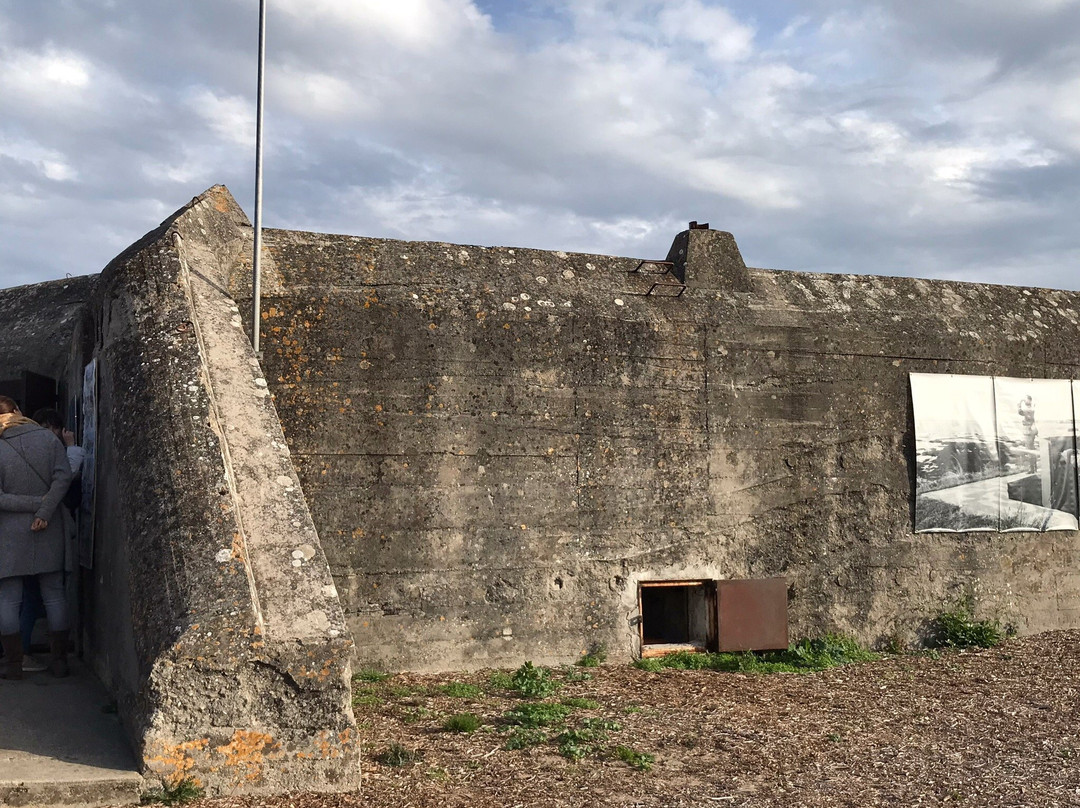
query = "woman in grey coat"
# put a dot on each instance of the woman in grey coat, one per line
(34, 476)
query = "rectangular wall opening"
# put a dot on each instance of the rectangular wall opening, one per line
(677, 616)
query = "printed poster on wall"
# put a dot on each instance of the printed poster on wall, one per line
(1037, 447)
(89, 469)
(957, 468)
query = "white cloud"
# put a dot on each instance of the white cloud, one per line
(880, 136)
(49, 163)
(230, 117)
(724, 38)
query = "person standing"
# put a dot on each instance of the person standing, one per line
(34, 476)
(32, 607)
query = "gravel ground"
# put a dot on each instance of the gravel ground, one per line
(974, 728)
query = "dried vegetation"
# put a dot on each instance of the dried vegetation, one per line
(994, 727)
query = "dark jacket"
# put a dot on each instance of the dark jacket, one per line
(34, 476)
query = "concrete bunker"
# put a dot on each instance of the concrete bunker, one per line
(435, 433)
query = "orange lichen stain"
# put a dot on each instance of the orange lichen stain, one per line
(237, 549)
(327, 747)
(506, 326)
(358, 533)
(175, 762)
(372, 298)
(378, 408)
(247, 750)
(480, 315)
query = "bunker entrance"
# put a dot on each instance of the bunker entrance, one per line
(677, 616)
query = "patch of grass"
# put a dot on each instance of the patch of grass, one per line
(956, 627)
(539, 714)
(533, 682)
(576, 744)
(525, 737)
(642, 761)
(582, 704)
(462, 722)
(370, 675)
(461, 690)
(651, 664)
(366, 697)
(630, 709)
(805, 656)
(895, 644)
(572, 674)
(185, 790)
(415, 714)
(594, 657)
(397, 755)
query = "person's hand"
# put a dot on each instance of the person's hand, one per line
(38, 525)
(68, 437)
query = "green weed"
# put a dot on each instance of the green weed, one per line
(366, 697)
(652, 664)
(573, 674)
(370, 675)
(462, 722)
(539, 714)
(461, 690)
(805, 656)
(413, 715)
(524, 737)
(594, 657)
(533, 682)
(630, 709)
(575, 744)
(185, 790)
(501, 680)
(957, 627)
(397, 755)
(642, 761)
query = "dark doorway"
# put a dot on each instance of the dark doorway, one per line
(32, 392)
(677, 616)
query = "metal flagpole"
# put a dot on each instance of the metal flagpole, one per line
(256, 303)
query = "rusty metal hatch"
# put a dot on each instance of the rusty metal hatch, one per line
(751, 615)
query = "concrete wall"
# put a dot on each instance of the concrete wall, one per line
(497, 445)
(213, 618)
(38, 324)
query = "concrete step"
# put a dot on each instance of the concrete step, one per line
(61, 743)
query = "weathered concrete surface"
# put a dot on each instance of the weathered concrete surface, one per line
(229, 661)
(61, 743)
(497, 445)
(37, 323)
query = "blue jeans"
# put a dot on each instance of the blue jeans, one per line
(32, 609)
(52, 594)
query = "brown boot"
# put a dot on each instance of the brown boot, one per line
(13, 656)
(58, 643)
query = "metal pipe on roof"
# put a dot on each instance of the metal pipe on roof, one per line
(256, 291)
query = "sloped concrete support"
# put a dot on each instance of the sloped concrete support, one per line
(216, 622)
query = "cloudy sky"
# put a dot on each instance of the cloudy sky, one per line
(905, 137)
